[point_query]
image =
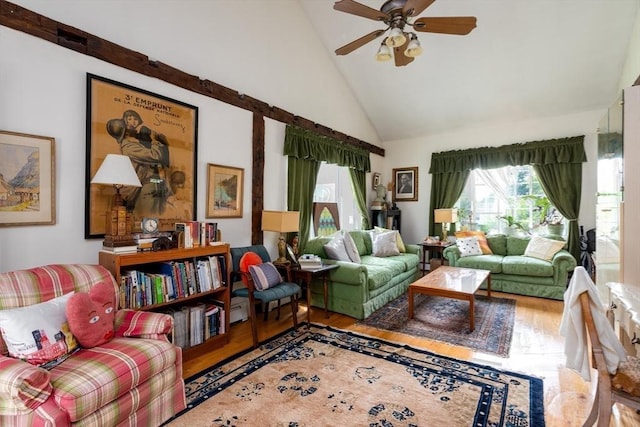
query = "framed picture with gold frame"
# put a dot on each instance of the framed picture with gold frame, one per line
(27, 179)
(224, 191)
(159, 135)
(405, 184)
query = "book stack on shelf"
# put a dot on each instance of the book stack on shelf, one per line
(174, 280)
(145, 240)
(193, 234)
(310, 262)
(127, 249)
(195, 324)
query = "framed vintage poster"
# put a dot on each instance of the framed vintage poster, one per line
(405, 184)
(27, 180)
(159, 135)
(224, 191)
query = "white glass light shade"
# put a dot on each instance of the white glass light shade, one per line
(116, 169)
(413, 48)
(396, 38)
(384, 53)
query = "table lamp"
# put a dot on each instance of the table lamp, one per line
(445, 217)
(281, 222)
(117, 170)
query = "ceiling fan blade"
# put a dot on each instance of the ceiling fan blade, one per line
(418, 7)
(350, 47)
(399, 57)
(460, 25)
(355, 8)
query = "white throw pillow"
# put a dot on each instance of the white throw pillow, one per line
(543, 248)
(335, 249)
(399, 241)
(468, 246)
(351, 248)
(384, 244)
(39, 333)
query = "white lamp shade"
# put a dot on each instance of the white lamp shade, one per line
(384, 53)
(445, 216)
(396, 38)
(116, 169)
(280, 221)
(413, 48)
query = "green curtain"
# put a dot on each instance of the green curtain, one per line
(446, 189)
(359, 185)
(558, 160)
(306, 150)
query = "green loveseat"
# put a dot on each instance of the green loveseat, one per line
(358, 290)
(515, 273)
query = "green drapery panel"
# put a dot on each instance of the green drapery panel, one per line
(301, 183)
(558, 163)
(359, 185)
(309, 149)
(562, 183)
(446, 189)
(304, 144)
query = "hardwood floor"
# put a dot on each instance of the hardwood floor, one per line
(536, 349)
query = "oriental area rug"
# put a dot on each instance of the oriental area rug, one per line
(324, 376)
(447, 320)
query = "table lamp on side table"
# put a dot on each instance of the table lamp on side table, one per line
(281, 222)
(117, 170)
(445, 217)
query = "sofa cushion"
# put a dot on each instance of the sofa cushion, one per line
(526, 266)
(498, 244)
(542, 248)
(362, 240)
(482, 240)
(468, 246)
(335, 248)
(401, 247)
(91, 378)
(493, 263)
(517, 245)
(384, 244)
(53, 341)
(351, 247)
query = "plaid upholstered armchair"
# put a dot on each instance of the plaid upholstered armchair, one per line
(133, 379)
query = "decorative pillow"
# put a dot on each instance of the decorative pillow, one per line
(336, 249)
(482, 240)
(543, 248)
(351, 248)
(91, 315)
(468, 246)
(248, 259)
(401, 247)
(265, 275)
(384, 244)
(39, 333)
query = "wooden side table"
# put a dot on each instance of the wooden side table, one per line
(307, 274)
(435, 250)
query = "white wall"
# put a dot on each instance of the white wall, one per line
(631, 206)
(43, 93)
(418, 151)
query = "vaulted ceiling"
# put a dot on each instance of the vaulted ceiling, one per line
(525, 59)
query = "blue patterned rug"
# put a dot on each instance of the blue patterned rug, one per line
(328, 377)
(447, 320)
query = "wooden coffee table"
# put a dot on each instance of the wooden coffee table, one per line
(452, 282)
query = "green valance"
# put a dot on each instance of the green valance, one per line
(304, 144)
(563, 150)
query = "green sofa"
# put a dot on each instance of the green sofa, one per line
(515, 273)
(358, 290)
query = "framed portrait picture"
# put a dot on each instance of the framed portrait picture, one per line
(27, 180)
(224, 191)
(375, 180)
(405, 188)
(159, 135)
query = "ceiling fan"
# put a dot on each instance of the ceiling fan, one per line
(397, 14)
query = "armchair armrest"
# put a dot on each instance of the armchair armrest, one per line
(563, 262)
(143, 324)
(412, 248)
(22, 386)
(452, 254)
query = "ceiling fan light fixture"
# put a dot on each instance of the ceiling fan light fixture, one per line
(396, 38)
(384, 53)
(413, 48)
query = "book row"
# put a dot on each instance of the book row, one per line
(171, 280)
(195, 324)
(192, 234)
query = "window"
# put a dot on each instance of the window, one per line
(334, 186)
(495, 200)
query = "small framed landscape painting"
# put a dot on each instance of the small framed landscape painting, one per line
(405, 187)
(224, 191)
(27, 180)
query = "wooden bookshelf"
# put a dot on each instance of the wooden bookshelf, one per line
(146, 261)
